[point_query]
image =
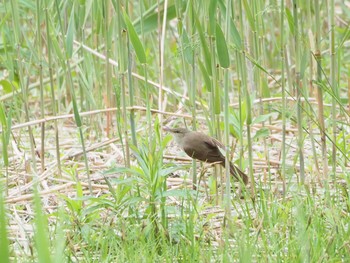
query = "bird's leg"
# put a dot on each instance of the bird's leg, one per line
(202, 173)
(217, 173)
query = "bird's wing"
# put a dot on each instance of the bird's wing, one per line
(205, 146)
(213, 143)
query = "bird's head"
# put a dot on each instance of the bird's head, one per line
(178, 133)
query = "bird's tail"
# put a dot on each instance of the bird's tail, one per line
(237, 173)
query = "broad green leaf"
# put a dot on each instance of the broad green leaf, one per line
(206, 52)
(70, 34)
(249, 14)
(187, 47)
(88, 6)
(290, 21)
(221, 48)
(265, 89)
(235, 125)
(56, 45)
(235, 35)
(169, 170)
(8, 88)
(205, 75)
(150, 19)
(166, 140)
(237, 119)
(135, 40)
(262, 118)
(212, 14)
(72, 204)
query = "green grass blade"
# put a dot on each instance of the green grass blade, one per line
(187, 48)
(135, 40)
(205, 75)
(70, 34)
(206, 52)
(221, 48)
(150, 19)
(235, 35)
(41, 236)
(4, 242)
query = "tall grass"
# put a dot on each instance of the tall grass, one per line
(95, 180)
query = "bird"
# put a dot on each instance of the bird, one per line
(202, 147)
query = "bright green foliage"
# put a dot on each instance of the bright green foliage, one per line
(221, 47)
(135, 40)
(41, 236)
(4, 242)
(84, 94)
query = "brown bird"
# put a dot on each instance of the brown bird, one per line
(202, 147)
